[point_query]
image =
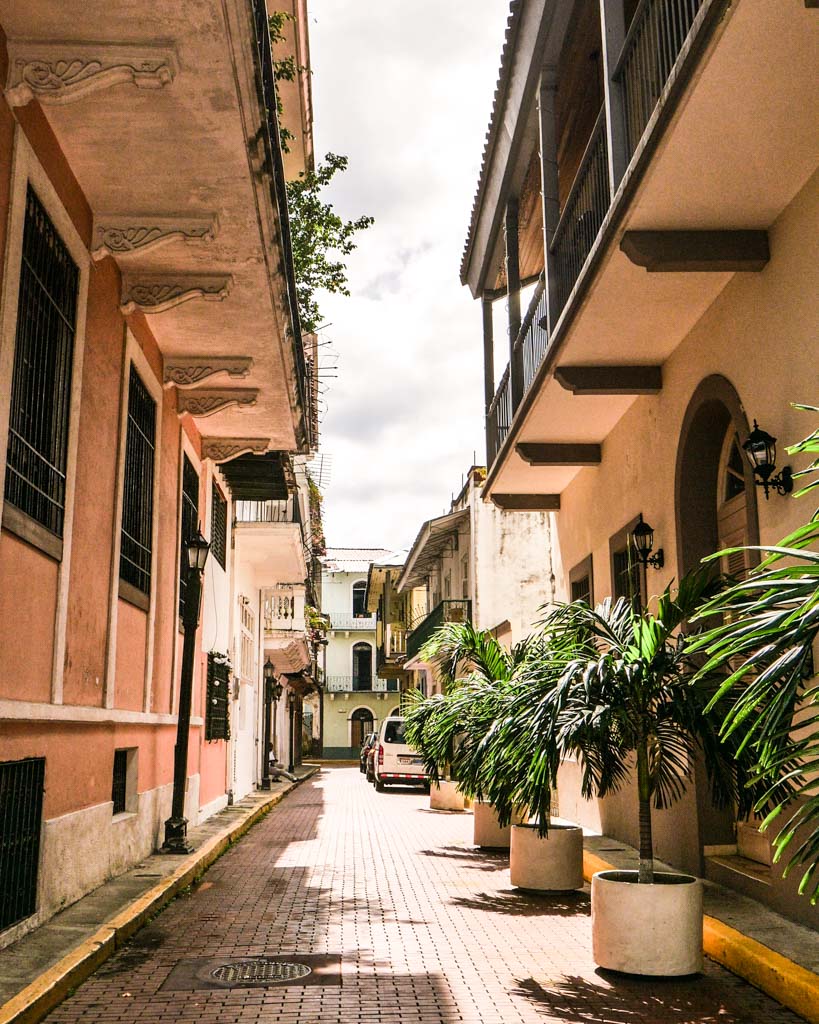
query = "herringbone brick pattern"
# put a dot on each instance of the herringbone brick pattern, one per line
(428, 929)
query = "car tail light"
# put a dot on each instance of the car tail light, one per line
(380, 754)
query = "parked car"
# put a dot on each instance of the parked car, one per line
(366, 747)
(391, 760)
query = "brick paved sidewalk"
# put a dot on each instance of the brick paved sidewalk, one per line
(427, 931)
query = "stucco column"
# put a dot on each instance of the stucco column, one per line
(613, 33)
(488, 353)
(510, 235)
(547, 127)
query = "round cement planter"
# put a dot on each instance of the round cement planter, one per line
(445, 796)
(488, 834)
(647, 929)
(553, 863)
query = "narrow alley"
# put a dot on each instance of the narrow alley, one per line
(399, 919)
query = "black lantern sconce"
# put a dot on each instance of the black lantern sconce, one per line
(760, 449)
(642, 538)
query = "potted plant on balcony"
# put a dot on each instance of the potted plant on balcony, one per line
(630, 694)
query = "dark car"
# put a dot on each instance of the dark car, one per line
(366, 747)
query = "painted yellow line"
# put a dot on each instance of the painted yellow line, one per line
(32, 1003)
(787, 982)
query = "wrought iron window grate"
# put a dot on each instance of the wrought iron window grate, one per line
(120, 781)
(217, 720)
(21, 809)
(627, 576)
(581, 589)
(189, 522)
(218, 526)
(41, 379)
(138, 488)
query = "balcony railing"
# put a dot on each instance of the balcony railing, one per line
(655, 38)
(346, 620)
(267, 511)
(446, 611)
(583, 213)
(283, 609)
(355, 684)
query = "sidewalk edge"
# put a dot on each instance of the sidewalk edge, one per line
(783, 980)
(37, 999)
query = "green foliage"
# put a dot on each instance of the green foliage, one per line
(315, 499)
(320, 239)
(769, 697)
(285, 69)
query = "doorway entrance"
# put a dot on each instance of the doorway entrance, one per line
(361, 723)
(362, 667)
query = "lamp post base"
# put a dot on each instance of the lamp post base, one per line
(176, 836)
(266, 784)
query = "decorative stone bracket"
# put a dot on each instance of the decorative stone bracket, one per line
(187, 373)
(155, 294)
(58, 72)
(207, 401)
(121, 235)
(222, 449)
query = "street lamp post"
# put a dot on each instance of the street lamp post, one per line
(269, 674)
(176, 827)
(291, 707)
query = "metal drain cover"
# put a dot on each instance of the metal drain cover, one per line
(254, 971)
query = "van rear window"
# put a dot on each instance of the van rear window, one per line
(394, 733)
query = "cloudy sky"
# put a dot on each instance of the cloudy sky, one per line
(404, 89)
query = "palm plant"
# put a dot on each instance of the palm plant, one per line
(763, 647)
(626, 692)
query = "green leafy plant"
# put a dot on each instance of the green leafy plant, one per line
(320, 239)
(769, 697)
(285, 69)
(626, 695)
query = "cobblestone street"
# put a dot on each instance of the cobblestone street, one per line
(427, 930)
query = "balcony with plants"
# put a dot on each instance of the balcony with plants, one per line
(446, 611)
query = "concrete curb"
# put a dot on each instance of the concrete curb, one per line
(785, 981)
(32, 1003)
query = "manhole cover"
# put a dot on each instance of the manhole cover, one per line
(260, 970)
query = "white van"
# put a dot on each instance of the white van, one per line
(393, 760)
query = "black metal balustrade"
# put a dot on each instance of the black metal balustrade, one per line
(267, 511)
(499, 417)
(21, 808)
(445, 611)
(652, 45)
(534, 334)
(583, 214)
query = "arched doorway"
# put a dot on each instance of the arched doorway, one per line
(362, 666)
(716, 507)
(361, 723)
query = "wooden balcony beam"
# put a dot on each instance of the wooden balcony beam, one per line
(610, 380)
(538, 454)
(697, 251)
(527, 502)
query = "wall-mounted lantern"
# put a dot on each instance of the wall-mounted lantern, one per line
(642, 538)
(760, 448)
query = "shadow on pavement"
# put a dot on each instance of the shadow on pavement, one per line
(479, 860)
(610, 998)
(526, 904)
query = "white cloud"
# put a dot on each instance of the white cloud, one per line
(405, 90)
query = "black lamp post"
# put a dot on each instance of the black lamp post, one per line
(760, 448)
(291, 707)
(269, 675)
(643, 539)
(176, 827)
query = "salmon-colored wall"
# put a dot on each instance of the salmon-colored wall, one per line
(28, 604)
(130, 660)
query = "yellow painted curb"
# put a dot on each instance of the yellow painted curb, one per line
(783, 980)
(32, 1003)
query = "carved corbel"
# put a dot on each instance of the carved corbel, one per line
(157, 293)
(223, 449)
(207, 401)
(120, 235)
(59, 72)
(187, 373)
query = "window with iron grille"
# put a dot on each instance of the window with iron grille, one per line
(138, 487)
(41, 379)
(217, 721)
(189, 523)
(218, 526)
(581, 589)
(580, 581)
(626, 575)
(119, 788)
(21, 810)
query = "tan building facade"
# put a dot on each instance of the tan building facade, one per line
(657, 191)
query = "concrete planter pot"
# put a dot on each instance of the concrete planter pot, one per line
(445, 796)
(487, 833)
(647, 929)
(553, 863)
